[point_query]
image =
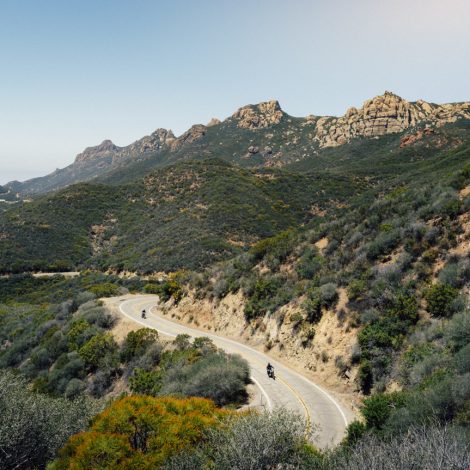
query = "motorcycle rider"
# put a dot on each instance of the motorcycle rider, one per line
(270, 370)
(143, 314)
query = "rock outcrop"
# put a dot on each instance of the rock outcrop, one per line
(107, 149)
(150, 143)
(213, 122)
(104, 150)
(259, 116)
(194, 133)
(263, 134)
(385, 114)
(411, 139)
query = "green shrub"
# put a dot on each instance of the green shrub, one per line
(75, 388)
(461, 360)
(137, 342)
(328, 294)
(439, 299)
(171, 289)
(278, 246)
(405, 307)
(152, 289)
(309, 264)
(356, 289)
(263, 298)
(75, 332)
(377, 409)
(354, 432)
(105, 289)
(97, 349)
(146, 382)
(217, 376)
(312, 307)
(457, 331)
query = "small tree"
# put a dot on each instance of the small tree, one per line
(97, 348)
(439, 298)
(137, 342)
(378, 408)
(140, 432)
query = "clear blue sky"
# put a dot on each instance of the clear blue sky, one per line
(74, 72)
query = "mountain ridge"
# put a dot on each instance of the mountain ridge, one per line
(296, 138)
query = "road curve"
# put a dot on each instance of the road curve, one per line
(324, 415)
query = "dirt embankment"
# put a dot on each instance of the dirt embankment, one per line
(323, 357)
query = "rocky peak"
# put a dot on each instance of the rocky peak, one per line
(385, 114)
(259, 116)
(194, 133)
(213, 122)
(156, 140)
(150, 143)
(105, 149)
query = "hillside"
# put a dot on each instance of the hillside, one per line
(184, 216)
(196, 212)
(372, 301)
(255, 135)
(344, 254)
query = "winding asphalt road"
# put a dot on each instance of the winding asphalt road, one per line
(324, 415)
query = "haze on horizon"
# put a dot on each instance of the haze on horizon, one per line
(76, 73)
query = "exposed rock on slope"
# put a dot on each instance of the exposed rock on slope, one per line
(213, 122)
(265, 125)
(194, 133)
(149, 143)
(259, 116)
(105, 149)
(386, 114)
(283, 339)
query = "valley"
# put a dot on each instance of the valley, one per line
(335, 248)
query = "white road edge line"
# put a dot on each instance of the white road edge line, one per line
(262, 390)
(141, 322)
(255, 351)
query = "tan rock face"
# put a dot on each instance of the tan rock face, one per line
(385, 114)
(259, 116)
(149, 143)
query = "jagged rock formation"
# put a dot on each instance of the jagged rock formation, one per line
(259, 116)
(149, 143)
(385, 114)
(213, 122)
(275, 139)
(105, 149)
(194, 133)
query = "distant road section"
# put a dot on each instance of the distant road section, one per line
(65, 274)
(323, 413)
